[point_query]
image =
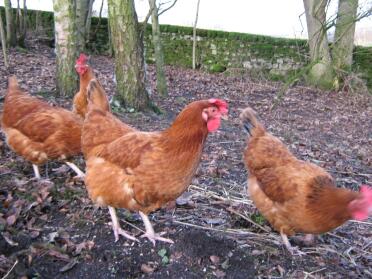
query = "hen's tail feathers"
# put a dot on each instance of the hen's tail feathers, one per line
(97, 97)
(28, 149)
(251, 123)
(12, 84)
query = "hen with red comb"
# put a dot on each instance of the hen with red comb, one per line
(141, 171)
(295, 196)
(86, 74)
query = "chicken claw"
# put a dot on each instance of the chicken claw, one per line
(294, 251)
(116, 227)
(154, 236)
(150, 233)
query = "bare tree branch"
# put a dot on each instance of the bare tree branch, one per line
(163, 11)
(144, 22)
(194, 37)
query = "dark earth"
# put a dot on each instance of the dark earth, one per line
(51, 229)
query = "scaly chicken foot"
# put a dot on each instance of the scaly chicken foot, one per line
(80, 173)
(294, 251)
(36, 171)
(116, 226)
(150, 233)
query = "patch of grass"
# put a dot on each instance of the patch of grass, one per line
(217, 68)
(21, 49)
(258, 218)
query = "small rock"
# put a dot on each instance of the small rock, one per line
(147, 269)
(215, 259)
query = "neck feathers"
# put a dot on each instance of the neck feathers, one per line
(85, 78)
(188, 131)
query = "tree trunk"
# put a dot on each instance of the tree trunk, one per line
(129, 59)
(18, 18)
(83, 18)
(65, 38)
(38, 22)
(88, 21)
(194, 37)
(3, 42)
(321, 74)
(99, 20)
(22, 25)
(344, 34)
(161, 81)
(11, 37)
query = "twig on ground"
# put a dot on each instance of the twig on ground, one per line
(361, 222)
(133, 226)
(311, 273)
(366, 175)
(248, 219)
(8, 273)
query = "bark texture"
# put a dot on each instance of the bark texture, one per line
(321, 74)
(83, 20)
(3, 42)
(22, 25)
(161, 82)
(66, 51)
(344, 34)
(11, 37)
(194, 37)
(129, 58)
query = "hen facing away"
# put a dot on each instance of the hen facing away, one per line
(294, 195)
(141, 171)
(38, 131)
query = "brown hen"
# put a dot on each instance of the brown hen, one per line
(141, 171)
(85, 72)
(38, 131)
(294, 195)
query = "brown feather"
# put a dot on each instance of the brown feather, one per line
(141, 170)
(80, 102)
(294, 196)
(38, 131)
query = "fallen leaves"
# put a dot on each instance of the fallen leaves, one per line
(83, 246)
(329, 129)
(11, 219)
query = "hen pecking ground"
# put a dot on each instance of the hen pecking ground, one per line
(52, 230)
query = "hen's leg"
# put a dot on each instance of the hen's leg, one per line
(75, 168)
(292, 250)
(150, 233)
(116, 226)
(47, 170)
(36, 171)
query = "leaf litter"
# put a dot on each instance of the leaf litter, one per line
(50, 229)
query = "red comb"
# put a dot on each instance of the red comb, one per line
(82, 59)
(222, 105)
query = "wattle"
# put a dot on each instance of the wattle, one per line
(213, 124)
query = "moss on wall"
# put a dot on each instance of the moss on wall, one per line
(363, 63)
